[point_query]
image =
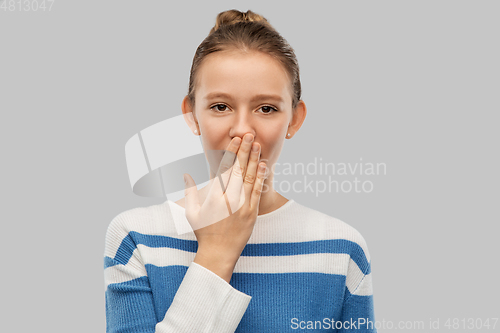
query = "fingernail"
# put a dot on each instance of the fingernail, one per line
(248, 138)
(237, 141)
(255, 148)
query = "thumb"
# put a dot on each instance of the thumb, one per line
(191, 194)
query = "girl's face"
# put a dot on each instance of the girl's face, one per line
(239, 93)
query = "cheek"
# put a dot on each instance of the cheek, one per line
(272, 144)
(212, 129)
(273, 133)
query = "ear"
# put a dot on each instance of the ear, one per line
(189, 116)
(298, 117)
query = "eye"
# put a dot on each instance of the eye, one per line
(268, 109)
(219, 107)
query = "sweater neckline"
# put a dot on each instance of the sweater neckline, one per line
(276, 211)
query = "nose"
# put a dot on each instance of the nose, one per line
(242, 125)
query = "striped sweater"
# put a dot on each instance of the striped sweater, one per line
(300, 270)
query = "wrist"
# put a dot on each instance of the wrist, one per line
(221, 266)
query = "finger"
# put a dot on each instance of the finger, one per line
(251, 174)
(227, 162)
(219, 183)
(234, 188)
(233, 192)
(258, 185)
(228, 158)
(244, 152)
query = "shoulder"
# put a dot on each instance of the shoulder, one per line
(157, 219)
(318, 225)
(133, 219)
(149, 221)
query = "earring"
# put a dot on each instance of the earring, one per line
(288, 135)
(195, 131)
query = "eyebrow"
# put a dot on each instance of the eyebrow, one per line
(253, 99)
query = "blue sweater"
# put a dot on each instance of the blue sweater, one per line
(300, 270)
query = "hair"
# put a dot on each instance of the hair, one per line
(246, 31)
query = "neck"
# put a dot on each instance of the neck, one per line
(270, 200)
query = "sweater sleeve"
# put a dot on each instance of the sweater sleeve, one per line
(357, 311)
(204, 302)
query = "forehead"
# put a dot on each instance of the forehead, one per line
(242, 74)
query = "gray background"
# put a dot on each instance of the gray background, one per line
(411, 84)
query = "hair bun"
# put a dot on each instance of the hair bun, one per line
(233, 16)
